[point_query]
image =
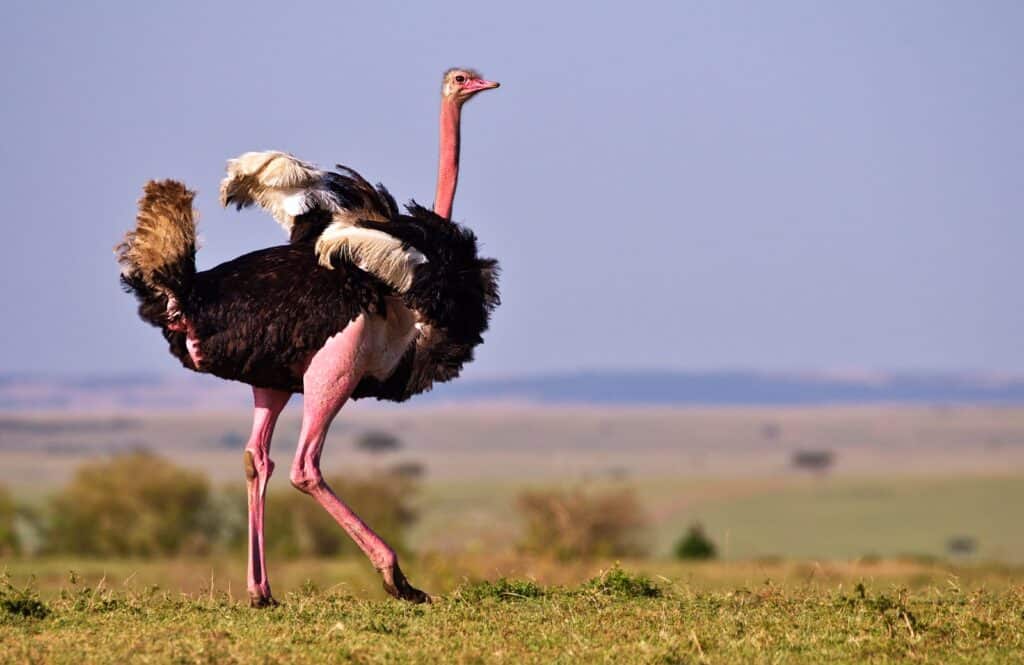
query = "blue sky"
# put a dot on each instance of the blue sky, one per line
(785, 185)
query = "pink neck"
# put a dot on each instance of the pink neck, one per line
(448, 160)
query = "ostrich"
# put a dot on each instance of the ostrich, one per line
(290, 320)
(306, 202)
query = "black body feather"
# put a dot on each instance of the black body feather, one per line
(259, 318)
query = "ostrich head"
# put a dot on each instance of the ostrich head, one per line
(461, 84)
(457, 87)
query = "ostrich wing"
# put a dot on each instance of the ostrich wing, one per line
(302, 198)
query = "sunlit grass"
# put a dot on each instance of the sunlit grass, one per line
(620, 615)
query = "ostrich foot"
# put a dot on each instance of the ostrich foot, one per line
(260, 601)
(399, 587)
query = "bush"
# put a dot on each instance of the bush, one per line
(135, 504)
(378, 442)
(816, 461)
(296, 525)
(20, 603)
(695, 545)
(231, 440)
(502, 589)
(961, 545)
(620, 584)
(9, 544)
(410, 470)
(571, 524)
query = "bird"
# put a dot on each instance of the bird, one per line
(286, 320)
(310, 205)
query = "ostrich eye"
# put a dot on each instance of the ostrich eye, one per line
(460, 79)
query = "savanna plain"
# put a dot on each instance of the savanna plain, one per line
(832, 534)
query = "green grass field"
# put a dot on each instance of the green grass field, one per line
(716, 613)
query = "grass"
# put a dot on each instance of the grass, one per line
(615, 616)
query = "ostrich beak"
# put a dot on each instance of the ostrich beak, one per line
(476, 85)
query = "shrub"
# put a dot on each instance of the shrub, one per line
(410, 470)
(296, 525)
(571, 524)
(135, 504)
(20, 603)
(961, 545)
(816, 461)
(9, 543)
(378, 442)
(618, 583)
(231, 440)
(502, 589)
(695, 545)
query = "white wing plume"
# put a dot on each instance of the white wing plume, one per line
(289, 188)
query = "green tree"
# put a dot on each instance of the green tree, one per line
(695, 544)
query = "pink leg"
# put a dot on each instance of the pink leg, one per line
(331, 377)
(258, 467)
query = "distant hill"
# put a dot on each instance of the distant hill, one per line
(744, 388)
(193, 391)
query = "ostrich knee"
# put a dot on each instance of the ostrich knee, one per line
(306, 477)
(257, 464)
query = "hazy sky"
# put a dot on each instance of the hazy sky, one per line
(772, 185)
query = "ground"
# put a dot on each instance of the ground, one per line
(850, 565)
(812, 613)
